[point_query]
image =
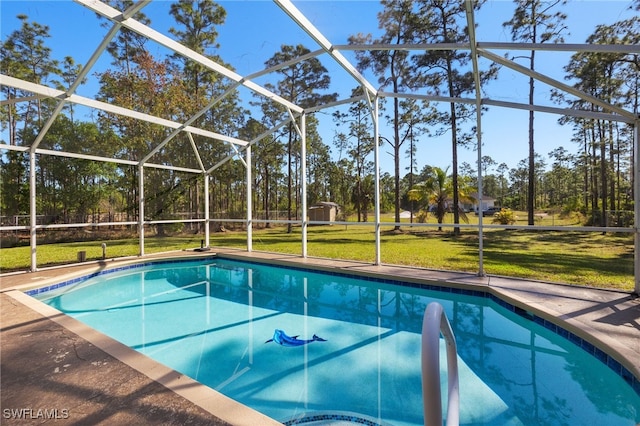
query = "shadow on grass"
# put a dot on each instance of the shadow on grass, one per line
(573, 258)
(579, 263)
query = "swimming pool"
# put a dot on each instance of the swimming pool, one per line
(210, 320)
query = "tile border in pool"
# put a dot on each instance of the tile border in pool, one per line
(84, 277)
(588, 347)
(330, 417)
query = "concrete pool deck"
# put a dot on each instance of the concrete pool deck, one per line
(54, 367)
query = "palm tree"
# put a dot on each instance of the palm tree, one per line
(437, 190)
(363, 194)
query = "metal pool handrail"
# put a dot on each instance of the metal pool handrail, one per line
(434, 322)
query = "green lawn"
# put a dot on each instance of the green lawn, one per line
(593, 259)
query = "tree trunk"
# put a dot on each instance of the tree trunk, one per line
(603, 171)
(454, 151)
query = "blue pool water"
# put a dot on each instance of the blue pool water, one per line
(210, 320)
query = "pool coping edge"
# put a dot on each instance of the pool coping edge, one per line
(210, 400)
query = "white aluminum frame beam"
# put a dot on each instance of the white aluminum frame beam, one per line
(148, 32)
(195, 151)
(562, 47)
(595, 115)
(433, 98)
(471, 28)
(83, 73)
(249, 178)
(207, 218)
(42, 151)
(32, 210)
(252, 142)
(302, 130)
(636, 206)
(92, 103)
(555, 47)
(199, 114)
(322, 41)
(14, 101)
(230, 90)
(555, 83)
(141, 205)
(375, 114)
(132, 10)
(335, 104)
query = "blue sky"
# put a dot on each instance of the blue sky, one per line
(255, 30)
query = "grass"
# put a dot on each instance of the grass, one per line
(579, 258)
(19, 258)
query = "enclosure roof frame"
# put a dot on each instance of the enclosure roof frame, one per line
(125, 20)
(334, 52)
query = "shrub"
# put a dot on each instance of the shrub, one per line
(422, 216)
(504, 217)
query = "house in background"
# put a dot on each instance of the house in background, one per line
(325, 211)
(486, 203)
